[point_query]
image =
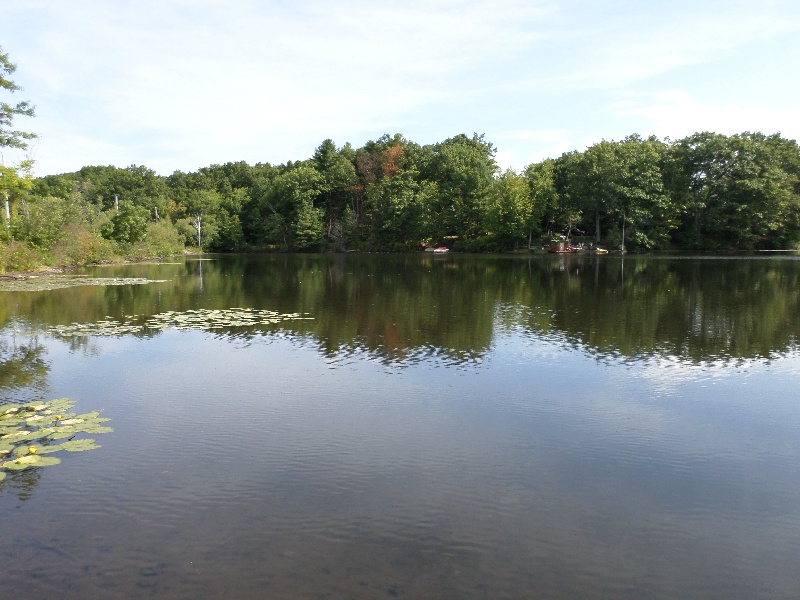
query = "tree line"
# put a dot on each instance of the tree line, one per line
(705, 192)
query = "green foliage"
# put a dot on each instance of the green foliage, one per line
(9, 137)
(463, 169)
(509, 211)
(105, 186)
(42, 221)
(707, 191)
(162, 239)
(738, 192)
(286, 205)
(17, 256)
(127, 226)
(309, 231)
(80, 247)
(229, 233)
(398, 204)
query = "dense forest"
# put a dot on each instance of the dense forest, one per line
(706, 192)
(703, 192)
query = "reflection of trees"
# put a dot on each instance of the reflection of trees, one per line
(23, 378)
(695, 309)
(23, 370)
(21, 483)
(401, 308)
(398, 307)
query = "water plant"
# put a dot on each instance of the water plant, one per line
(30, 433)
(203, 319)
(42, 283)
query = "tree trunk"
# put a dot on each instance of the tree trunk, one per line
(197, 223)
(597, 224)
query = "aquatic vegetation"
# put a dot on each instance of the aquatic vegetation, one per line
(54, 282)
(202, 319)
(28, 432)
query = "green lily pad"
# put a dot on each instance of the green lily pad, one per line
(203, 319)
(29, 461)
(27, 432)
(89, 415)
(92, 428)
(55, 282)
(72, 446)
(17, 436)
(8, 409)
(26, 449)
(60, 404)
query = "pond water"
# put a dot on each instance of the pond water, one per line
(381, 426)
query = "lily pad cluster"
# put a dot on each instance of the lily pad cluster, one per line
(31, 433)
(190, 319)
(55, 282)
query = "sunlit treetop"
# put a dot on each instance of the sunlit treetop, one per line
(9, 137)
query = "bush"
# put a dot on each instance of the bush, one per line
(17, 256)
(127, 226)
(79, 247)
(162, 239)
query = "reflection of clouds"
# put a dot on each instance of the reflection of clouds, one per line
(399, 358)
(668, 372)
(714, 424)
(709, 344)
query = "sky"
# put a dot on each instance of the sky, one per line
(183, 84)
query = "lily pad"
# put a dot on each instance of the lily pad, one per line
(72, 446)
(27, 432)
(55, 282)
(59, 405)
(27, 449)
(30, 460)
(8, 409)
(202, 319)
(90, 415)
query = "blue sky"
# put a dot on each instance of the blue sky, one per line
(182, 84)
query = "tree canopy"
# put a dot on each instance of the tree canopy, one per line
(704, 192)
(9, 137)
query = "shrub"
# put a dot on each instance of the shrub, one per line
(79, 247)
(17, 256)
(163, 239)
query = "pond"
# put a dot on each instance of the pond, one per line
(410, 426)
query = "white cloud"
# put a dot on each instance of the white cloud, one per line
(175, 84)
(675, 113)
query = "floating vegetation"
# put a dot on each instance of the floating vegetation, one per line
(29, 432)
(43, 283)
(202, 319)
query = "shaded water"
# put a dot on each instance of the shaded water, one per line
(438, 427)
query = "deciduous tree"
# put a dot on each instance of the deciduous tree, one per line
(10, 137)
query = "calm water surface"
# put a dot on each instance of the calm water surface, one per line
(432, 427)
